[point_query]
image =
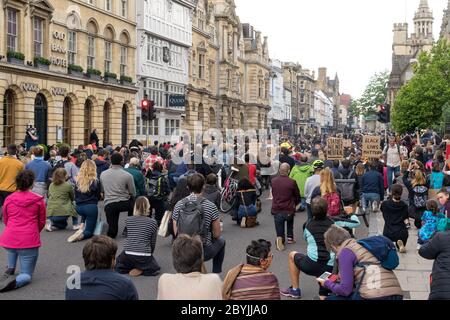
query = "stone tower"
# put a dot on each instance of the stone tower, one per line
(445, 28)
(423, 21)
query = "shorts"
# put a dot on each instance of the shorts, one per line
(312, 268)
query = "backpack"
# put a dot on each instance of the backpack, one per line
(157, 188)
(334, 204)
(191, 220)
(346, 187)
(60, 164)
(383, 249)
(420, 196)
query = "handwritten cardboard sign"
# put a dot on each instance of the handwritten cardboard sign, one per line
(371, 147)
(347, 143)
(335, 149)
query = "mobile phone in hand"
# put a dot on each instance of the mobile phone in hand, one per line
(325, 276)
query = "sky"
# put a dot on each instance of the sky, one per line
(350, 37)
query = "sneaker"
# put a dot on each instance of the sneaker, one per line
(136, 273)
(243, 222)
(401, 246)
(76, 227)
(374, 207)
(75, 237)
(419, 246)
(291, 241)
(280, 244)
(408, 225)
(291, 293)
(48, 226)
(7, 282)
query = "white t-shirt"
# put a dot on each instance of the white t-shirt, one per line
(191, 286)
(393, 156)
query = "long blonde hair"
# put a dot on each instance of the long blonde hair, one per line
(419, 179)
(142, 207)
(87, 176)
(327, 184)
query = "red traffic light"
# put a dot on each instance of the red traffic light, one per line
(145, 104)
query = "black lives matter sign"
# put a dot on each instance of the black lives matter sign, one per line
(371, 147)
(335, 149)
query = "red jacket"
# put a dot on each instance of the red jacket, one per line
(286, 195)
(24, 215)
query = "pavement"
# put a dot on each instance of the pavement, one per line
(413, 271)
(57, 255)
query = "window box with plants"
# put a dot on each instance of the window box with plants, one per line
(15, 57)
(125, 80)
(75, 70)
(94, 74)
(111, 77)
(42, 63)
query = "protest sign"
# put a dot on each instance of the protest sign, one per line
(335, 149)
(371, 147)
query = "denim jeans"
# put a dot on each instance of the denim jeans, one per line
(367, 197)
(280, 220)
(391, 171)
(358, 297)
(89, 214)
(59, 222)
(302, 204)
(309, 212)
(27, 260)
(215, 251)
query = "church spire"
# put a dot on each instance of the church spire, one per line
(423, 21)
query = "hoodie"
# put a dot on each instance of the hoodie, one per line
(300, 173)
(24, 215)
(102, 165)
(212, 194)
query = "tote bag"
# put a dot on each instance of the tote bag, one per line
(101, 227)
(164, 227)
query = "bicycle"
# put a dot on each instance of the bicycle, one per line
(228, 193)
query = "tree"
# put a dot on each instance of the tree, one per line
(374, 94)
(420, 103)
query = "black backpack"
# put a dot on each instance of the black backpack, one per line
(60, 164)
(346, 187)
(158, 188)
(191, 220)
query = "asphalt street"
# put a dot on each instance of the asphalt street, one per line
(57, 255)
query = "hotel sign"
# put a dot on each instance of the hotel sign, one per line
(60, 49)
(30, 87)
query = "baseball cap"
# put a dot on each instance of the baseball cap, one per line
(318, 164)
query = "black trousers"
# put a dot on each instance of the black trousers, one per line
(160, 209)
(113, 211)
(3, 196)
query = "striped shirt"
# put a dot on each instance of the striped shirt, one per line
(254, 283)
(141, 237)
(210, 212)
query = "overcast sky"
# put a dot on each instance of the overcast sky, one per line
(350, 37)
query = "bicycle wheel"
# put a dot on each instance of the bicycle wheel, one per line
(227, 202)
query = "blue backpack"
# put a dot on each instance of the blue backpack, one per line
(383, 249)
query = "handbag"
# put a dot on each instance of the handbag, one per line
(250, 221)
(164, 227)
(101, 227)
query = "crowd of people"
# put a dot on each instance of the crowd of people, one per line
(55, 188)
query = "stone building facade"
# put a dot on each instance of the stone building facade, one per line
(445, 27)
(202, 93)
(164, 30)
(65, 106)
(406, 48)
(331, 89)
(306, 87)
(237, 93)
(278, 111)
(290, 77)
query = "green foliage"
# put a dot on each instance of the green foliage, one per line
(94, 71)
(42, 60)
(16, 55)
(110, 75)
(374, 94)
(126, 79)
(420, 103)
(74, 67)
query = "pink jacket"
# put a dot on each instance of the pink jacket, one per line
(24, 215)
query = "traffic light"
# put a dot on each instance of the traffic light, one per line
(384, 113)
(145, 103)
(148, 109)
